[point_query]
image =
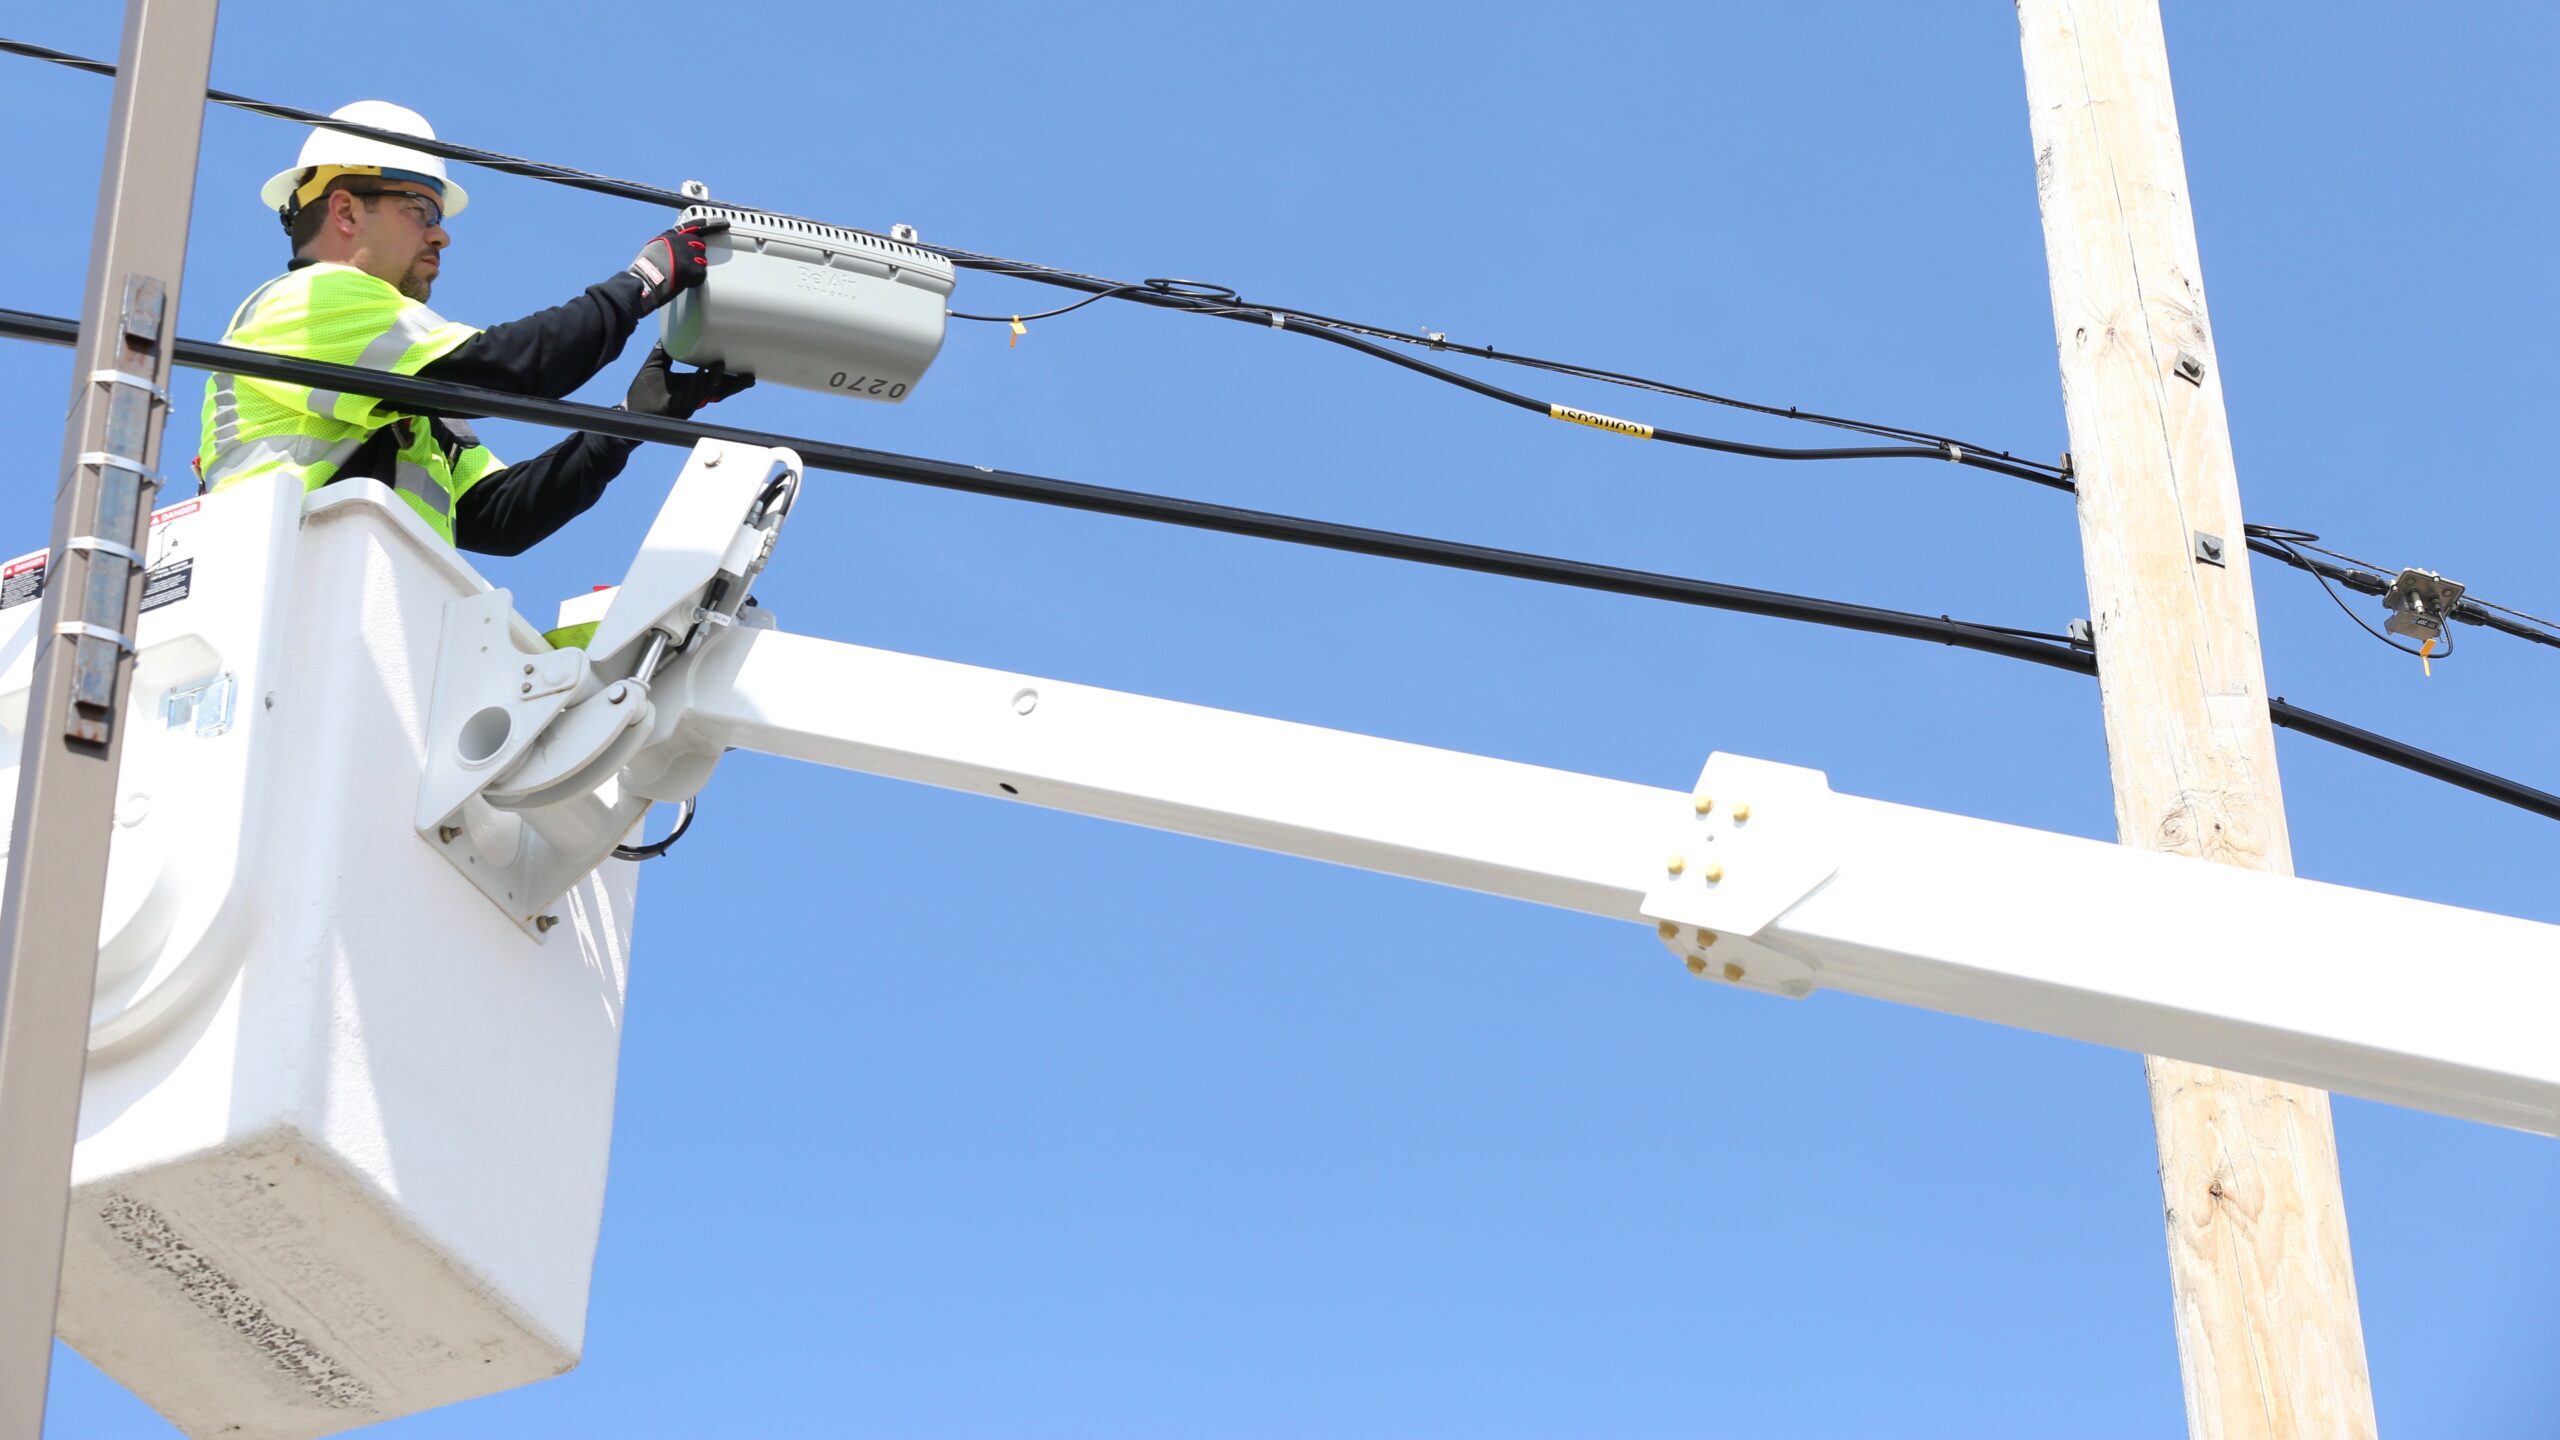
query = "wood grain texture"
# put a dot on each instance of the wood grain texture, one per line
(2269, 1339)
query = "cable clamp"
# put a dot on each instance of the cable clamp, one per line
(1279, 321)
(109, 460)
(83, 630)
(100, 545)
(1955, 453)
(127, 377)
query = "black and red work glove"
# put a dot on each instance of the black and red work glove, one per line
(673, 262)
(660, 390)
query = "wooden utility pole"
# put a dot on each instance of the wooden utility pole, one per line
(2269, 1341)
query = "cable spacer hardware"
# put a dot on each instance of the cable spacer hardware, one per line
(127, 377)
(109, 460)
(1279, 321)
(99, 545)
(83, 630)
(1955, 453)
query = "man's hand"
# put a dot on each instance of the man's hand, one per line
(673, 262)
(659, 390)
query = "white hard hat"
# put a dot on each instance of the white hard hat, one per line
(330, 153)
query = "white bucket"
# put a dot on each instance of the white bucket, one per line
(342, 1147)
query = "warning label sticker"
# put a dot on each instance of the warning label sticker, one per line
(171, 558)
(171, 541)
(167, 585)
(22, 580)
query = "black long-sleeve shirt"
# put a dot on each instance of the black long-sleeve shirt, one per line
(548, 353)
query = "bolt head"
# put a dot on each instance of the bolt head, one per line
(1713, 873)
(1697, 965)
(1741, 812)
(1704, 803)
(1732, 971)
(1667, 930)
(1676, 864)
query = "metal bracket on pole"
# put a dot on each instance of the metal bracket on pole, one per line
(99, 617)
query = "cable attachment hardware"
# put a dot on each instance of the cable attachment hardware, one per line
(2420, 601)
(1955, 453)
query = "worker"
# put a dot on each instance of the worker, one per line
(367, 221)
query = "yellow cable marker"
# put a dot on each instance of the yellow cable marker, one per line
(1598, 421)
(1018, 332)
(2423, 652)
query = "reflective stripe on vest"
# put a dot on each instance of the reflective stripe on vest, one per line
(300, 451)
(338, 314)
(407, 329)
(418, 483)
(308, 452)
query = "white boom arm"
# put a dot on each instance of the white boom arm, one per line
(1759, 876)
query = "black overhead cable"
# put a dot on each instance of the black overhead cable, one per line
(1221, 301)
(1224, 303)
(431, 397)
(2410, 757)
(2059, 651)
(2366, 578)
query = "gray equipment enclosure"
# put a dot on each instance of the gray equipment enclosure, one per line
(812, 306)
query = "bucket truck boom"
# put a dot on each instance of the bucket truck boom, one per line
(1757, 876)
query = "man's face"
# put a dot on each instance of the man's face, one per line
(396, 239)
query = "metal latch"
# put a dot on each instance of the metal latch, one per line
(205, 707)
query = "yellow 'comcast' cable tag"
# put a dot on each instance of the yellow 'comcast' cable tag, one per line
(2423, 652)
(1018, 332)
(1598, 421)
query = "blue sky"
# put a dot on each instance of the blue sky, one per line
(939, 1117)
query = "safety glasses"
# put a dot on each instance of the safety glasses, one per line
(428, 213)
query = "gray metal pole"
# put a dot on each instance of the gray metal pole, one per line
(57, 869)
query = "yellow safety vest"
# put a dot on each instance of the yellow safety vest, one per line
(339, 314)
